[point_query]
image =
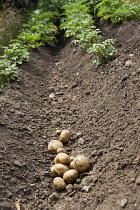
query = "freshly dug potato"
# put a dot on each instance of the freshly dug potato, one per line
(59, 183)
(72, 158)
(56, 160)
(58, 132)
(80, 163)
(70, 176)
(59, 169)
(62, 158)
(64, 136)
(54, 145)
(63, 150)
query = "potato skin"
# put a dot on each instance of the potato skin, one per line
(54, 145)
(70, 176)
(62, 158)
(56, 160)
(64, 136)
(59, 183)
(59, 169)
(73, 165)
(72, 158)
(61, 150)
(80, 163)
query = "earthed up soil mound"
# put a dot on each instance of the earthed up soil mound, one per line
(61, 89)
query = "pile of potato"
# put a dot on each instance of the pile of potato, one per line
(66, 169)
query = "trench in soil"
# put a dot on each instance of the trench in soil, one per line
(61, 89)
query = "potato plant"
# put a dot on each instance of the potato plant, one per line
(39, 30)
(76, 19)
(78, 22)
(117, 11)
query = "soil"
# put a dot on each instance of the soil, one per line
(60, 89)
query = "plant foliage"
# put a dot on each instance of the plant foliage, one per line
(117, 11)
(39, 30)
(78, 22)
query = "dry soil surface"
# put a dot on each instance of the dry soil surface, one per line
(60, 89)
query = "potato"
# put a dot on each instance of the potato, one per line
(80, 163)
(70, 176)
(56, 160)
(59, 169)
(64, 136)
(63, 150)
(54, 145)
(59, 183)
(58, 132)
(72, 158)
(62, 158)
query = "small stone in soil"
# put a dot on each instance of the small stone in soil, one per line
(52, 95)
(72, 193)
(79, 134)
(110, 191)
(100, 153)
(128, 63)
(134, 73)
(132, 180)
(19, 114)
(80, 141)
(125, 77)
(94, 153)
(131, 55)
(137, 160)
(123, 202)
(59, 93)
(17, 163)
(12, 111)
(69, 188)
(73, 137)
(54, 197)
(78, 181)
(51, 89)
(95, 180)
(88, 93)
(10, 195)
(86, 188)
(33, 185)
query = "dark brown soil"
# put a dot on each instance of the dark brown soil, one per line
(61, 89)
